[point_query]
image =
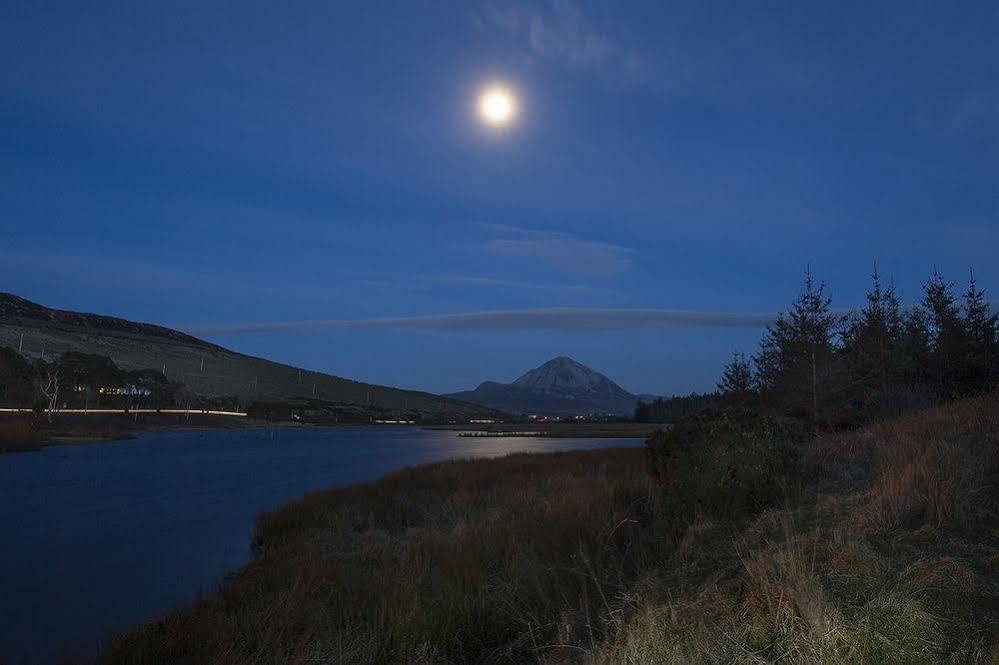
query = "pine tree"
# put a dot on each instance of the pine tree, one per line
(914, 351)
(872, 345)
(796, 361)
(981, 338)
(947, 362)
(737, 379)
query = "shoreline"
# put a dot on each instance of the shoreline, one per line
(81, 429)
(87, 429)
(559, 430)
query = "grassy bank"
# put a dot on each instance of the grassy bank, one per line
(18, 435)
(888, 552)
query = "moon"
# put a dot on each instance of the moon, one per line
(497, 106)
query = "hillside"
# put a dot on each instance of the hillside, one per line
(207, 369)
(559, 387)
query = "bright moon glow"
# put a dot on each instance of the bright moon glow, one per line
(497, 106)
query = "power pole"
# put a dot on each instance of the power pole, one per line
(20, 344)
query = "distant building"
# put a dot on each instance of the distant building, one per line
(125, 391)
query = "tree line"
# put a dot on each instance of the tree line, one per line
(834, 370)
(669, 410)
(80, 380)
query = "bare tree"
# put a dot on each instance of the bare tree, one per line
(185, 400)
(50, 388)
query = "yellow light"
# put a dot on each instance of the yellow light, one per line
(497, 106)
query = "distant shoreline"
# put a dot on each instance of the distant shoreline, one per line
(85, 429)
(79, 429)
(563, 430)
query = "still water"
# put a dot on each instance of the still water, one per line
(95, 539)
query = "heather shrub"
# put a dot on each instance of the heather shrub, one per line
(723, 463)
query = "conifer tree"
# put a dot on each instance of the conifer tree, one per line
(737, 379)
(795, 365)
(914, 352)
(872, 341)
(947, 362)
(981, 338)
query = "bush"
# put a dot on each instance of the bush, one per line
(724, 463)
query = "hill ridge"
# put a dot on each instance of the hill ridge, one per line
(560, 386)
(205, 368)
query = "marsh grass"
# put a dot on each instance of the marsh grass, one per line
(18, 434)
(889, 553)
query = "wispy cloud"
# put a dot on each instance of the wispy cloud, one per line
(555, 249)
(559, 31)
(563, 319)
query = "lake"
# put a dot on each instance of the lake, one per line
(99, 538)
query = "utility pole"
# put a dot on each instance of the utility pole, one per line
(20, 344)
(202, 364)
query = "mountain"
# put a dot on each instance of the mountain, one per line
(560, 387)
(206, 369)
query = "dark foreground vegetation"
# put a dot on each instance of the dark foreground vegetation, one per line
(877, 545)
(19, 435)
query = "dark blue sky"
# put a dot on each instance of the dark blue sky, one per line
(207, 165)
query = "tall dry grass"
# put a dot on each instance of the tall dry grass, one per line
(893, 558)
(17, 434)
(498, 561)
(889, 553)
(938, 467)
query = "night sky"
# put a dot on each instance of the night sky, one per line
(299, 180)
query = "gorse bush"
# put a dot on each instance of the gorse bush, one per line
(724, 462)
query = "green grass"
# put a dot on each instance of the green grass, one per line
(889, 552)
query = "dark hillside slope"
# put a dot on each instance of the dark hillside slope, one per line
(207, 369)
